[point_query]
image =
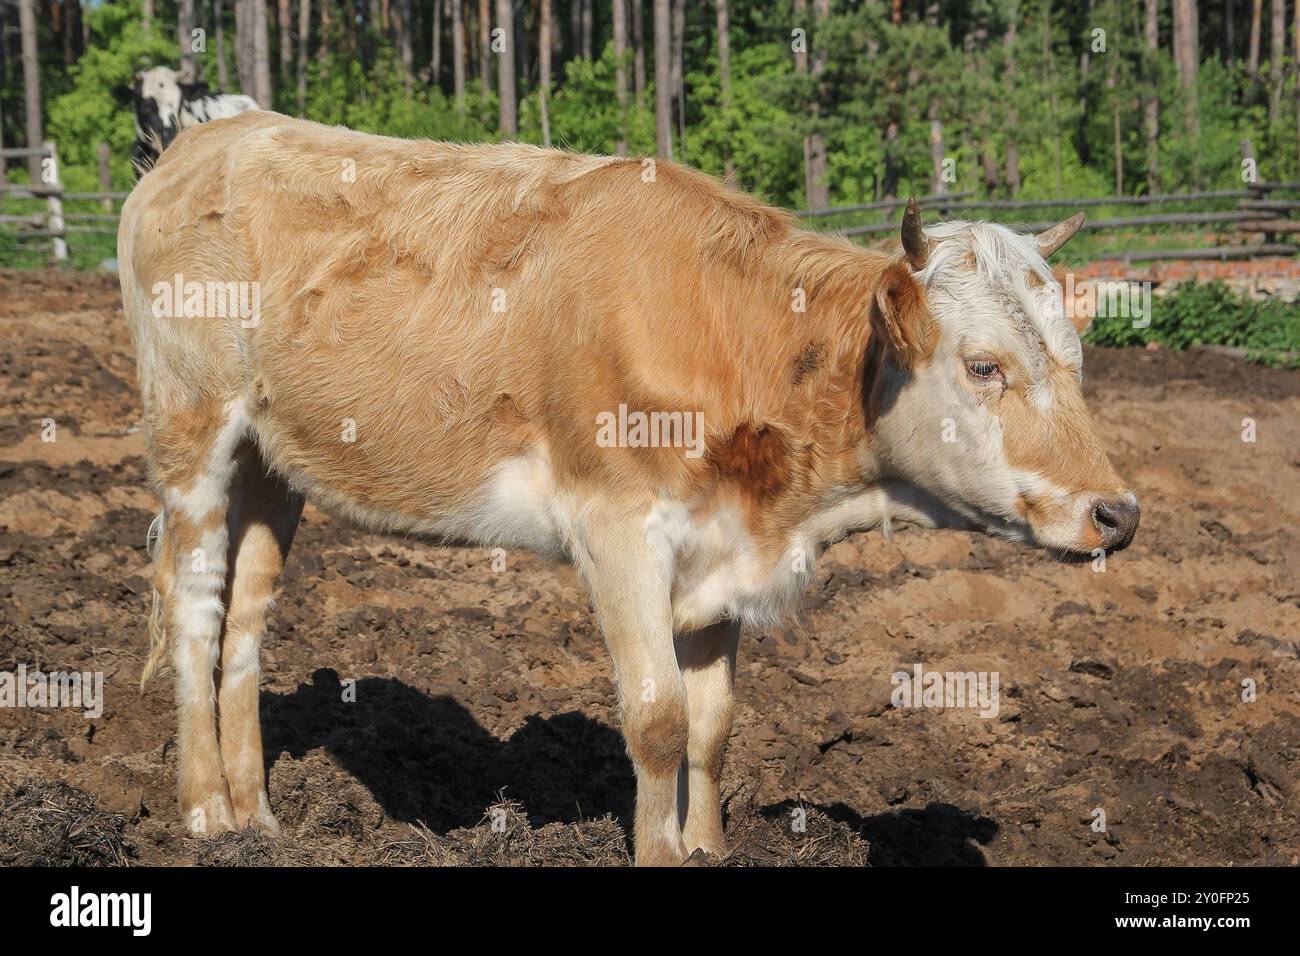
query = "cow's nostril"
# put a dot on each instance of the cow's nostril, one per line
(1116, 522)
(1103, 516)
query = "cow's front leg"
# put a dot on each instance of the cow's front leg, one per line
(630, 591)
(707, 659)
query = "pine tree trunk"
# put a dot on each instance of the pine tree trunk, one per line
(1230, 28)
(1277, 44)
(1012, 147)
(1151, 98)
(458, 54)
(544, 68)
(1083, 146)
(484, 58)
(523, 66)
(245, 55)
(323, 48)
(724, 79)
(1186, 56)
(505, 21)
(184, 26)
(938, 185)
(1112, 83)
(818, 191)
(219, 24)
(262, 56)
(663, 80)
(1256, 23)
(241, 40)
(638, 43)
(1049, 71)
(588, 29)
(620, 72)
(435, 52)
(801, 68)
(31, 84)
(68, 29)
(889, 181)
(304, 34)
(679, 85)
(284, 38)
(1295, 54)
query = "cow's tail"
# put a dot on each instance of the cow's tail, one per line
(157, 615)
(146, 151)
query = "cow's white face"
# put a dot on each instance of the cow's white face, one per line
(977, 401)
(161, 86)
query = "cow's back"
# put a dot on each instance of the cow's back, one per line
(457, 307)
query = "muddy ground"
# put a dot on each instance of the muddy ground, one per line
(1120, 690)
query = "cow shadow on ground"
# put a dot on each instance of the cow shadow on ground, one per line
(428, 759)
(938, 835)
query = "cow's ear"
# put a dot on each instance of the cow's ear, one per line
(124, 95)
(190, 91)
(900, 316)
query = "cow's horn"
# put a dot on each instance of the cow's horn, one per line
(915, 244)
(1049, 240)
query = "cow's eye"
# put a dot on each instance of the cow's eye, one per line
(984, 370)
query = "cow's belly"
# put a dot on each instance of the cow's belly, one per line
(717, 570)
(510, 504)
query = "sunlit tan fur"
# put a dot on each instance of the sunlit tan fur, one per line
(468, 312)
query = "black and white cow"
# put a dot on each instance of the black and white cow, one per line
(164, 105)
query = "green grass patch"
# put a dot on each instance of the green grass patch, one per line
(1195, 313)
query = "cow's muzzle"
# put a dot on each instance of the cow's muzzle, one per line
(1116, 520)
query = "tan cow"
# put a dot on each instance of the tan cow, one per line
(614, 362)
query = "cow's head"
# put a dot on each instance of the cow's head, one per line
(157, 99)
(975, 393)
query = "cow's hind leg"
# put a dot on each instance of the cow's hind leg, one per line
(262, 518)
(193, 457)
(707, 659)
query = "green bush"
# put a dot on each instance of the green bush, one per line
(1197, 313)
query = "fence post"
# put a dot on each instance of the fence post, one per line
(105, 177)
(55, 202)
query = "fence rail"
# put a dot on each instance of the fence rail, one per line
(50, 189)
(1256, 214)
(54, 224)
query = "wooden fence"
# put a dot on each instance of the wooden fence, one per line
(54, 224)
(1260, 224)
(1255, 214)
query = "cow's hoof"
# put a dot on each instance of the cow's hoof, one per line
(701, 857)
(264, 823)
(661, 855)
(211, 817)
(259, 817)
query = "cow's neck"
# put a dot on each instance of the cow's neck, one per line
(814, 479)
(831, 461)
